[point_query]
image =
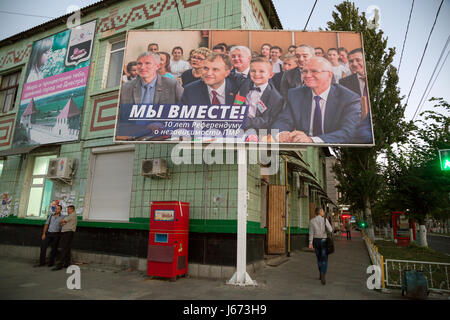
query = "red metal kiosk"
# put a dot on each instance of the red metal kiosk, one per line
(400, 225)
(168, 239)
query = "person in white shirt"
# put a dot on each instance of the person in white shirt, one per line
(343, 59)
(318, 228)
(177, 64)
(277, 64)
(339, 71)
(131, 72)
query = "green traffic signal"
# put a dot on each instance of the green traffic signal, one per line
(444, 158)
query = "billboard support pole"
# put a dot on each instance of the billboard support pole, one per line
(241, 277)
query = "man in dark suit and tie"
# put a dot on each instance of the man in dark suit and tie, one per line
(148, 88)
(240, 59)
(357, 82)
(293, 78)
(319, 112)
(214, 87)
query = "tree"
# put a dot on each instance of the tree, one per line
(357, 171)
(414, 178)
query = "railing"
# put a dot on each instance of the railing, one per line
(376, 258)
(435, 272)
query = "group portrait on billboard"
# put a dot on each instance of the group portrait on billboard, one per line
(286, 87)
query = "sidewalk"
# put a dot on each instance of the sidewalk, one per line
(295, 279)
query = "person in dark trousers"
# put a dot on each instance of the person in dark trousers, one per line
(51, 236)
(318, 227)
(348, 228)
(69, 225)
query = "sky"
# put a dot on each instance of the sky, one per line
(293, 15)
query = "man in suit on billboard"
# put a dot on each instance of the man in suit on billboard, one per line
(319, 112)
(148, 88)
(214, 88)
(357, 82)
(293, 77)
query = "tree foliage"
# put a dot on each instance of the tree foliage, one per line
(357, 171)
(414, 178)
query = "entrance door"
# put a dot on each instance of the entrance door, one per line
(111, 186)
(276, 225)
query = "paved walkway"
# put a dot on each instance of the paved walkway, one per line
(294, 279)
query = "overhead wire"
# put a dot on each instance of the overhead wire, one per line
(425, 93)
(424, 51)
(25, 14)
(310, 14)
(406, 34)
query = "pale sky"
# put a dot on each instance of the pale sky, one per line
(294, 14)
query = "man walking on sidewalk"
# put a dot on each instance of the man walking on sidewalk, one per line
(51, 236)
(348, 228)
(69, 225)
(318, 227)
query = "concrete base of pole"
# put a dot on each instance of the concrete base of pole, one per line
(242, 281)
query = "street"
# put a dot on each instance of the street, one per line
(296, 279)
(439, 243)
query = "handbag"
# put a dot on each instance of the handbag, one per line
(329, 242)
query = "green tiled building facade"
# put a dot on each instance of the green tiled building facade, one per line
(211, 190)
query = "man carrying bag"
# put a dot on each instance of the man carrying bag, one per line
(318, 239)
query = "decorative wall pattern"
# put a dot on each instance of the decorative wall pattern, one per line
(15, 56)
(6, 126)
(142, 12)
(104, 113)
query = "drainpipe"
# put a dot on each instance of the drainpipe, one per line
(287, 206)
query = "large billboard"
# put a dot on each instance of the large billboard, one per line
(55, 83)
(289, 87)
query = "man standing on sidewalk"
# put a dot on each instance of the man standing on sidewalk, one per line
(51, 236)
(69, 225)
(318, 227)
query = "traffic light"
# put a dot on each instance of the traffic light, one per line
(362, 224)
(444, 159)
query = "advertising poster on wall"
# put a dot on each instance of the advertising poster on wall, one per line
(55, 83)
(288, 87)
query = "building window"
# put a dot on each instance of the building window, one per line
(115, 69)
(8, 91)
(40, 189)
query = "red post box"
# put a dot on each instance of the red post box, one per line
(168, 239)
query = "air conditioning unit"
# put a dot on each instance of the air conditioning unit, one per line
(154, 167)
(60, 168)
(303, 190)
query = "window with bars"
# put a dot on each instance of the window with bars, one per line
(8, 91)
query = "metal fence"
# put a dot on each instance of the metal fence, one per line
(437, 273)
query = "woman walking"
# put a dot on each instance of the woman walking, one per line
(318, 228)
